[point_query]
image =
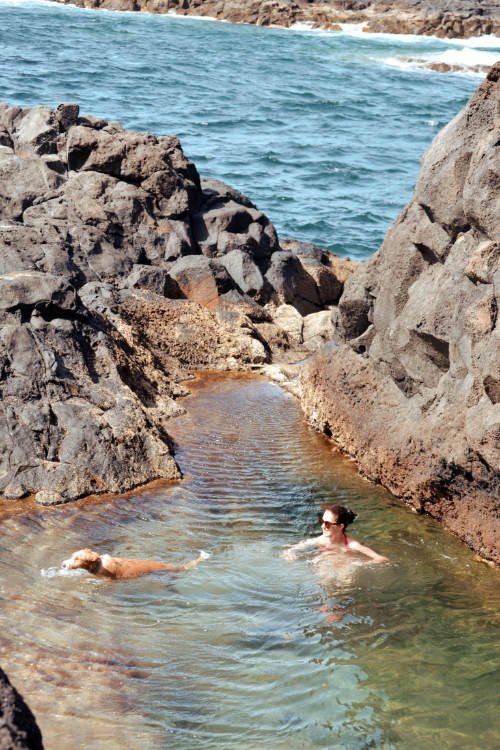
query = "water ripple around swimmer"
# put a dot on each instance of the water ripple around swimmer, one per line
(290, 651)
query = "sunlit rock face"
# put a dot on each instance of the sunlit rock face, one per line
(121, 270)
(412, 391)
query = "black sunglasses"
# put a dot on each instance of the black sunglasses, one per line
(328, 524)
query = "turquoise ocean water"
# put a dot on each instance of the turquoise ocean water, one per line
(323, 131)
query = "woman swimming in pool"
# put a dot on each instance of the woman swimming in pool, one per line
(334, 520)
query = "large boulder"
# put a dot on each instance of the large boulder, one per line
(411, 389)
(306, 276)
(95, 219)
(200, 279)
(228, 221)
(292, 284)
(328, 272)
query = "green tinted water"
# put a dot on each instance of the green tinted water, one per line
(250, 651)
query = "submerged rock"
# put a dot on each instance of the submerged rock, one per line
(411, 386)
(121, 270)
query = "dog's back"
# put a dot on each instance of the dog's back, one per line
(121, 567)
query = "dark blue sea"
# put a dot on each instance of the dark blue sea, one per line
(323, 131)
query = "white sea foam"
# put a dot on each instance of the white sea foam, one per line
(402, 63)
(357, 29)
(470, 61)
(56, 572)
(466, 57)
(488, 41)
(27, 2)
(353, 29)
(479, 42)
(194, 18)
(350, 29)
(302, 26)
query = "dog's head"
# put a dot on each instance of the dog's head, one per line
(84, 558)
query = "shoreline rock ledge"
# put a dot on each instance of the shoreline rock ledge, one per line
(442, 18)
(122, 271)
(411, 388)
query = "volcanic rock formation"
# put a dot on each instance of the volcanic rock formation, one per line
(443, 18)
(18, 727)
(120, 271)
(412, 392)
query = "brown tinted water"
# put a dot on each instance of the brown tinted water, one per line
(248, 650)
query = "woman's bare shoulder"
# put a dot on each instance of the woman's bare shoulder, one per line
(356, 546)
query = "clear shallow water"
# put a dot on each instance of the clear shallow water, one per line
(324, 131)
(249, 651)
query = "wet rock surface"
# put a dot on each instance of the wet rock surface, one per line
(443, 18)
(410, 384)
(18, 727)
(121, 271)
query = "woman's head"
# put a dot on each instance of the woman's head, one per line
(338, 515)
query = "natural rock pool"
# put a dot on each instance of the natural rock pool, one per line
(248, 651)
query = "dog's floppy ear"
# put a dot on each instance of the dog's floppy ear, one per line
(89, 560)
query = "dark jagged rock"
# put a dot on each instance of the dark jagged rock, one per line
(227, 221)
(443, 18)
(201, 279)
(412, 390)
(18, 727)
(120, 270)
(328, 271)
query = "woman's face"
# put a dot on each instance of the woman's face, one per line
(329, 523)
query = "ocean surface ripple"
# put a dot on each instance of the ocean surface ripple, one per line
(323, 131)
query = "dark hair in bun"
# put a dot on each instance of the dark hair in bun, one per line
(342, 514)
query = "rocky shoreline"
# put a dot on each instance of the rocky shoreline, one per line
(121, 272)
(441, 18)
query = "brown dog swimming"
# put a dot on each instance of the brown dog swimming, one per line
(120, 567)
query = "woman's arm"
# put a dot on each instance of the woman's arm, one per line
(357, 547)
(289, 551)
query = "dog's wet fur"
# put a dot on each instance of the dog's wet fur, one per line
(121, 567)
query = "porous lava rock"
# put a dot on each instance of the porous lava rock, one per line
(443, 18)
(18, 727)
(410, 385)
(121, 271)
